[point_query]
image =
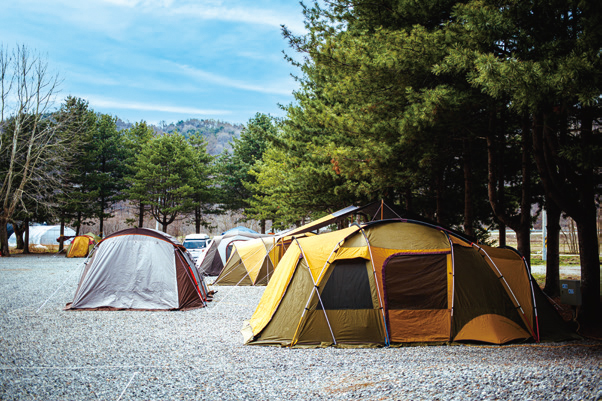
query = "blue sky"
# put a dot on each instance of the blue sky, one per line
(163, 60)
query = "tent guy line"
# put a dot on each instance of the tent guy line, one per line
(126, 387)
(100, 367)
(61, 286)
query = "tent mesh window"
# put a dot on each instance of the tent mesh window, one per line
(416, 282)
(229, 250)
(347, 287)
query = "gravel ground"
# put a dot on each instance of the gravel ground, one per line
(50, 354)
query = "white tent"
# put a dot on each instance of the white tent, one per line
(43, 235)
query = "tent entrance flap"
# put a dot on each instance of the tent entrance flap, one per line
(416, 297)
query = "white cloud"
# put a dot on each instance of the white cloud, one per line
(274, 89)
(218, 11)
(118, 104)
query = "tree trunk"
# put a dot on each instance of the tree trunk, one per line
(62, 236)
(552, 287)
(523, 239)
(501, 198)
(141, 215)
(262, 225)
(521, 222)
(590, 272)
(78, 224)
(494, 171)
(197, 219)
(524, 245)
(18, 234)
(26, 239)
(576, 201)
(407, 196)
(4, 250)
(502, 234)
(468, 189)
(101, 222)
(165, 225)
(439, 197)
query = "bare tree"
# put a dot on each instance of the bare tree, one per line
(31, 142)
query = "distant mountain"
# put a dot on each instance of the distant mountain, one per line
(218, 134)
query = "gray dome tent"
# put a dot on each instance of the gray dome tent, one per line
(140, 268)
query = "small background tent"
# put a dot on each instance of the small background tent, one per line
(252, 263)
(220, 249)
(396, 282)
(239, 230)
(82, 245)
(140, 268)
(43, 235)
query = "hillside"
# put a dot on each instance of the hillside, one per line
(218, 134)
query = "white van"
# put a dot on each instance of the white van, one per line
(196, 244)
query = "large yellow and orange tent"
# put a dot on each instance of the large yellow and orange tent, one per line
(395, 282)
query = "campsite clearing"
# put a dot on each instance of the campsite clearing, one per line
(48, 353)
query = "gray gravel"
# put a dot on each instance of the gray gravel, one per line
(50, 354)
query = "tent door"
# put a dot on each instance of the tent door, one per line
(416, 297)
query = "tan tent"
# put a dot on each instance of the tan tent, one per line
(251, 263)
(395, 282)
(220, 249)
(140, 268)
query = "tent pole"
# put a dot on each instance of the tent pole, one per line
(501, 277)
(392, 211)
(532, 295)
(328, 259)
(317, 292)
(451, 245)
(380, 301)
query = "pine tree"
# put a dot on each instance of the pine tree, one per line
(165, 172)
(134, 140)
(204, 196)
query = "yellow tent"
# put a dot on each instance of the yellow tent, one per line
(82, 245)
(394, 282)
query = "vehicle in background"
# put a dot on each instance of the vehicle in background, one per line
(196, 244)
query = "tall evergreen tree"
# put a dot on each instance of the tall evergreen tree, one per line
(105, 154)
(134, 140)
(165, 175)
(235, 168)
(74, 197)
(373, 107)
(544, 58)
(204, 196)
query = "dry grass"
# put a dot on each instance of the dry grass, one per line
(37, 249)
